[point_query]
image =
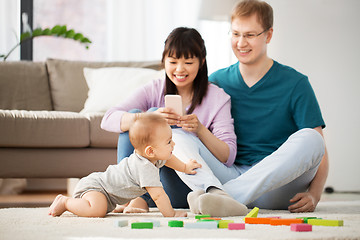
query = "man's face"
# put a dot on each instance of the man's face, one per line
(249, 40)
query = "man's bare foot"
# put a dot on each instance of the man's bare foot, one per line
(58, 206)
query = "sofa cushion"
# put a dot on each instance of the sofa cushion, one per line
(67, 83)
(41, 129)
(110, 86)
(99, 137)
(24, 85)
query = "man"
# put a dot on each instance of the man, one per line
(281, 158)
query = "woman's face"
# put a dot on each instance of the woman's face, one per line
(182, 71)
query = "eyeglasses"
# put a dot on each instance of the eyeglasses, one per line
(247, 36)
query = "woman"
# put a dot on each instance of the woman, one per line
(205, 131)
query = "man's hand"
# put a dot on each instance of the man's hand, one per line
(303, 202)
(190, 166)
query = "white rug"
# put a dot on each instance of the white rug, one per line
(34, 223)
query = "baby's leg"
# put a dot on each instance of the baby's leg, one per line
(137, 205)
(92, 204)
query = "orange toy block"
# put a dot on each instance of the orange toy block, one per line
(285, 221)
(252, 220)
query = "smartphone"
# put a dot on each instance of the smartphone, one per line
(175, 103)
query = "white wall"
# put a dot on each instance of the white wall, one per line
(321, 39)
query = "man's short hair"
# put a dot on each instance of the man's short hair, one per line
(247, 8)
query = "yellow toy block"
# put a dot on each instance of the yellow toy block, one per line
(253, 213)
(225, 223)
(325, 222)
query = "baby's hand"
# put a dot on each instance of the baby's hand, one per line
(180, 214)
(191, 165)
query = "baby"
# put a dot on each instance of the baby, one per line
(98, 193)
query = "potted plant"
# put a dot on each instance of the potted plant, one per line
(56, 31)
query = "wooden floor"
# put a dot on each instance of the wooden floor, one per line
(28, 199)
(44, 199)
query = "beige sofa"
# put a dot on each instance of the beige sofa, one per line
(42, 132)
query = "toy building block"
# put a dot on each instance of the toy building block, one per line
(285, 221)
(236, 226)
(156, 223)
(253, 213)
(202, 216)
(225, 223)
(121, 223)
(142, 225)
(300, 227)
(307, 218)
(210, 219)
(251, 220)
(325, 222)
(175, 223)
(202, 225)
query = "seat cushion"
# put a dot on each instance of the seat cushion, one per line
(20, 128)
(24, 85)
(99, 137)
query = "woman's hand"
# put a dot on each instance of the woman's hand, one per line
(170, 116)
(190, 123)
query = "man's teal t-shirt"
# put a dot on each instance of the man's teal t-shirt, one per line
(265, 115)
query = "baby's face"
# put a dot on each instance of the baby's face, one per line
(163, 144)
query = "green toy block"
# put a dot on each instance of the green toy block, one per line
(175, 223)
(202, 216)
(326, 222)
(142, 225)
(253, 213)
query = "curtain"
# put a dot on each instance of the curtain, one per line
(137, 29)
(9, 27)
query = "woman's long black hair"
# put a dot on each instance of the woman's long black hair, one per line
(187, 43)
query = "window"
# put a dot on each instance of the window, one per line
(120, 30)
(85, 16)
(9, 27)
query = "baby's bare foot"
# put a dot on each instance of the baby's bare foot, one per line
(58, 206)
(180, 214)
(129, 209)
(119, 208)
